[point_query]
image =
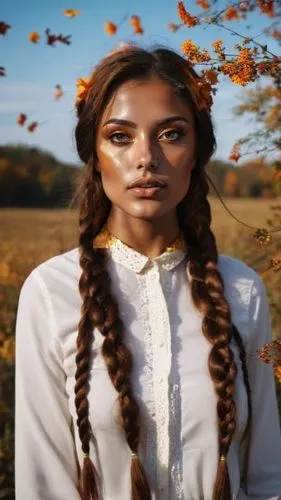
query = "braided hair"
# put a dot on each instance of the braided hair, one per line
(99, 307)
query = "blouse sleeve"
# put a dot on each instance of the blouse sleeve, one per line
(264, 466)
(45, 462)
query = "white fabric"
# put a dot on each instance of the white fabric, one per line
(171, 381)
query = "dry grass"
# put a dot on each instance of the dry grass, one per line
(28, 237)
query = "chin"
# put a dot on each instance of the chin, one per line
(147, 211)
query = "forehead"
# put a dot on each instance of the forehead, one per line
(151, 99)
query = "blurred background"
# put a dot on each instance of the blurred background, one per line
(45, 47)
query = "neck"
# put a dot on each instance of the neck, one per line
(150, 238)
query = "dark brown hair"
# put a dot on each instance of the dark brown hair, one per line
(100, 308)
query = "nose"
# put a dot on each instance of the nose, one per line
(146, 154)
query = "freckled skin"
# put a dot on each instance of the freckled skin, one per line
(166, 151)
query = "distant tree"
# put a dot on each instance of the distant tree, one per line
(231, 184)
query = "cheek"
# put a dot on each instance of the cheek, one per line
(181, 163)
(112, 170)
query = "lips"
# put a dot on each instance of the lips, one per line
(147, 183)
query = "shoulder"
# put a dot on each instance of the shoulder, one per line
(54, 275)
(237, 273)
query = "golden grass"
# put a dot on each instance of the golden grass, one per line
(28, 237)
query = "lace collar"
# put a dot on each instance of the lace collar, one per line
(136, 261)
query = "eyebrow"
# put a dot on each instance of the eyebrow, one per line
(129, 123)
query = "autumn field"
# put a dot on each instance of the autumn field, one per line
(28, 237)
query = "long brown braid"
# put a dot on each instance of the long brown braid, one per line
(207, 293)
(100, 309)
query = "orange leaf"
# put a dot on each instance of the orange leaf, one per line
(71, 12)
(34, 37)
(21, 119)
(32, 126)
(110, 28)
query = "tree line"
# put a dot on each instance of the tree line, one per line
(33, 178)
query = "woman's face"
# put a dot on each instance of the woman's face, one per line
(145, 131)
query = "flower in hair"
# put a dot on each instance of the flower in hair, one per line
(84, 84)
(83, 87)
(201, 90)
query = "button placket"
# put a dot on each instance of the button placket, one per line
(161, 345)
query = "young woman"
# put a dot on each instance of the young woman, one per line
(137, 375)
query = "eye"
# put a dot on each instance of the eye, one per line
(172, 134)
(119, 138)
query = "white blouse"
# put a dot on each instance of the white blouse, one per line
(171, 381)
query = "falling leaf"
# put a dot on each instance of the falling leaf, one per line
(71, 12)
(136, 24)
(4, 27)
(173, 27)
(2, 71)
(21, 119)
(32, 126)
(58, 92)
(110, 28)
(34, 37)
(52, 38)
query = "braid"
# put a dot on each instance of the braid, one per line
(238, 340)
(99, 309)
(207, 290)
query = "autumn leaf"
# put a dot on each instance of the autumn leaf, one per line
(231, 14)
(52, 38)
(71, 12)
(204, 4)
(110, 28)
(21, 119)
(173, 27)
(34, 37)
(32, 126)
(136, 24)
(235, 153)
(4, 27)
(271, 353)
(186, 18)
(58, 92)
(262, 236)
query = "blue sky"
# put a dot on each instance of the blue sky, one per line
(34, 70)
